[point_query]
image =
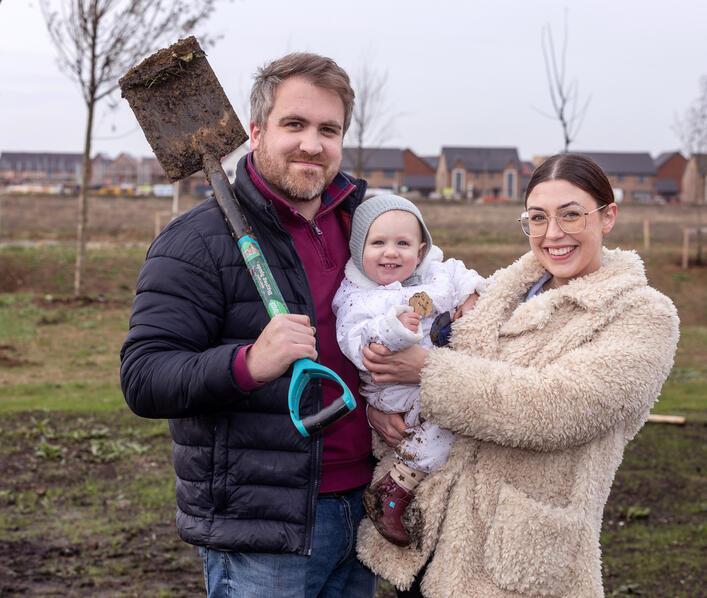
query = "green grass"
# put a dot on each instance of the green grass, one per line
(72, 397)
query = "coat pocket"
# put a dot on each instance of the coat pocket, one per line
(532, 547)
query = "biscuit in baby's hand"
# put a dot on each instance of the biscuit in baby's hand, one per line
(421, 304)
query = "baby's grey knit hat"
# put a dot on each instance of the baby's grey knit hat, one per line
(368, 211)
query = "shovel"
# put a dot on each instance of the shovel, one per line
(191, 125)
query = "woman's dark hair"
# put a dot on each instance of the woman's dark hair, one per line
(579, 170)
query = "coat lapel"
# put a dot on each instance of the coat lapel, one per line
(502, 311)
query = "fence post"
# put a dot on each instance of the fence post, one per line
(646, 233)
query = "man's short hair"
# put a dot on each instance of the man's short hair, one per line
(318, 70)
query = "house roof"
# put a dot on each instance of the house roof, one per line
(481, 159)
(623, 163)
(667, 186)
(664, 157)
(383, 158)
(431, 160)
(40, 160)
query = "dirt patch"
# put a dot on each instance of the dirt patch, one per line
(8, 360)
(74, 496)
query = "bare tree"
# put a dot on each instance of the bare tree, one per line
(564, 95)
(692, 127)
(372, 118)
(96, 42)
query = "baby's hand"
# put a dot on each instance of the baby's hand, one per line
(468, 305)
(410, 320)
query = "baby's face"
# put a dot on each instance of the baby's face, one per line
(393, 247)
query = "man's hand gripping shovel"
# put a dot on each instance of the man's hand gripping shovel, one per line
(191, 125)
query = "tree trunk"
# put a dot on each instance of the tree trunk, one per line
(82, 216)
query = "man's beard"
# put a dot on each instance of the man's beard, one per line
(302, 185)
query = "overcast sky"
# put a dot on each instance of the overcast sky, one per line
(459, 73)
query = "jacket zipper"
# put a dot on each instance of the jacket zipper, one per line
(317, 438)
(319, 244)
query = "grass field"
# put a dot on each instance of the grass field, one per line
(87, 499)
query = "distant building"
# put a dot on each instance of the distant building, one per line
(381, 167)
(526, 172)
(479, 172)
(694, 180)
(419, 174)
(432, 161)
(149, 172)
(41, 167)
(670, 167)
(631, 174)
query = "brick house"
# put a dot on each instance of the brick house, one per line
(694, 180)
(670, 167)
(149, 172)
(631, 174)
(41, 167)
(479, 172)
(382, 167)
(419, 174)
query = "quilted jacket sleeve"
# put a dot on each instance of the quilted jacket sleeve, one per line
(617, 376)
(172, 362)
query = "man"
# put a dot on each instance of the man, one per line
(274, 514)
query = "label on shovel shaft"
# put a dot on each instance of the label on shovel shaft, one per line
(262, 276)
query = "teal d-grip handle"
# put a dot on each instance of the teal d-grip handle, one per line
(303, 372)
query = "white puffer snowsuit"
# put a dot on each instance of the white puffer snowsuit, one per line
(368, 313)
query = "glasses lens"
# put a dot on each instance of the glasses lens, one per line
(534, 225)
(572, 222)
(525, 223)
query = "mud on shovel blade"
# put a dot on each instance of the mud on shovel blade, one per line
(191, 125)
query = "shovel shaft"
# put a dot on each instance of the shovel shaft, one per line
(247, 243)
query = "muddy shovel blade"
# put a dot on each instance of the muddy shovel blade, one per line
(182, 108)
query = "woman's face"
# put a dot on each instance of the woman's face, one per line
(567, 256)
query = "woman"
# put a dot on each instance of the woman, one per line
(546, 380)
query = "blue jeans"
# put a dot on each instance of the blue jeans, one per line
(331, 571)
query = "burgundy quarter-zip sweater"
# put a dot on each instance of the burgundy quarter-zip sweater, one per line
(323, 248)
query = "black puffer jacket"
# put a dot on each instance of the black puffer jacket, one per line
(246, 480)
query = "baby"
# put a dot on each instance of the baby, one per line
(395, 285)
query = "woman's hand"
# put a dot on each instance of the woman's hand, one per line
(402, 367)
(390, 426)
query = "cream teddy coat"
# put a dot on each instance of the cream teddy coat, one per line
(544, 395)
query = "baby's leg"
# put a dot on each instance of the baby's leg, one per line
(427, 447)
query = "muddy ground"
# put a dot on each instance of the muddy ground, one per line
(87, 509)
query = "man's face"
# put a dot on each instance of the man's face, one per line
(298, 151)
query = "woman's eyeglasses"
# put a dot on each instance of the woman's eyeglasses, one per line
(570, 221)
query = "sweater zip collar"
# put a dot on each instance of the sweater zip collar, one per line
(337, 191)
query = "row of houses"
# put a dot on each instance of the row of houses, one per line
(465, 173)
(498, 173)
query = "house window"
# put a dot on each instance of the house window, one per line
(458, 180)
(641, 179)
